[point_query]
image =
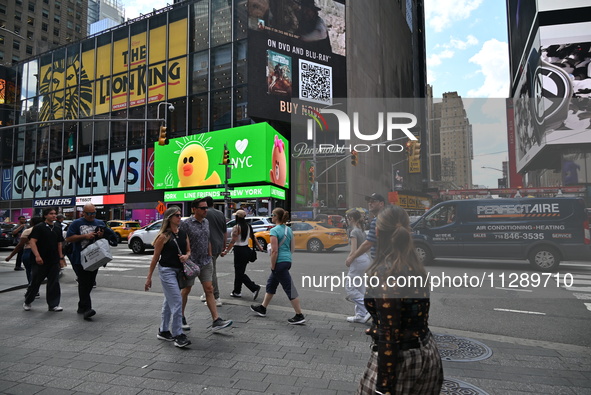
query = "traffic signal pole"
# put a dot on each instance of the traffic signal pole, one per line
(227, 163)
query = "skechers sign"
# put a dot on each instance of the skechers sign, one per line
(257, 153)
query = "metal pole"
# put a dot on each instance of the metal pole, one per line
(314, 184)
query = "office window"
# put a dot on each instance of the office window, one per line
(29, 35)
(44, 26)
(78, 28)
(31, 21)
(1, 55)
(31, 7)
(30, 49)
(2, 9)
(16, 45)
(221, 67)
(1, 39)
(56, 31)
(57, 4)
(45, 13)
(56, 18)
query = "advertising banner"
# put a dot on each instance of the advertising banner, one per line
(237, 193)
(296, 50)
(86, 176)
(258, 154)
(121, 78)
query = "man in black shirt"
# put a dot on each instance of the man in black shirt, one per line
(46, 245)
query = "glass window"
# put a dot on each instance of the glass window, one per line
(19, 147)
(241, 19)
(178, 118)
(85, 137)
(221, 22)
(200, 72)
(70, 137)
(55, 141)
(200, 30)
(42, 144)
(221, 103)
(240, 106)
(136, 130)
(56, 18)
(119, 131)
(198, 114)
(3, 9)
(44, 26)
(16, 45)
(101, 137)
(31, 6)
(31, 21)
(240, 63)
(221, 67)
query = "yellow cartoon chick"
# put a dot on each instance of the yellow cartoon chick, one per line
(193, 166)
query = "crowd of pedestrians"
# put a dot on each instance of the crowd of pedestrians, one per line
(404, 357)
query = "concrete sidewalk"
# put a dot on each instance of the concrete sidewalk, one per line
(43, 352)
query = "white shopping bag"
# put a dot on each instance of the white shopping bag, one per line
(96, 255)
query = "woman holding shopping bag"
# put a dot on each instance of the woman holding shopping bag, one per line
(354, 283)
(169, 242)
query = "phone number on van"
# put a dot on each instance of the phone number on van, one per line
(519, 236)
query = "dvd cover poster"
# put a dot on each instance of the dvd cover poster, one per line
(279, 74)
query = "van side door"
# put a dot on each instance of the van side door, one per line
(439, 229)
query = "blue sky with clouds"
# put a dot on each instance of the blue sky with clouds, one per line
(466, 52)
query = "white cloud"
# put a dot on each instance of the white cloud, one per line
(435, 59)
(133, 8)
(441, 13)
(493, 60)
(459, 44)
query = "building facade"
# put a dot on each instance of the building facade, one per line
(85, 117)
(30, 27)
(550, 127)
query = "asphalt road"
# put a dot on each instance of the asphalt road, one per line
(505, 298)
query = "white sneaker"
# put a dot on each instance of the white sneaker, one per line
(26, 307)
(202, 298)
(358, 319)
(56, 308)
(218, 302)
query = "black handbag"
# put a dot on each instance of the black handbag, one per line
(252, 254)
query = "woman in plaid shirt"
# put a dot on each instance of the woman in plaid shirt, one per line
(404, 358)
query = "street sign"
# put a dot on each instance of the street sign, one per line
(224, 193)
(161, 207)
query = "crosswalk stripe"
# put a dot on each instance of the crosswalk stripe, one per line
(588, 306)
(581, 296)
(578, 289)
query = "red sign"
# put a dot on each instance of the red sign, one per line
(161, 208)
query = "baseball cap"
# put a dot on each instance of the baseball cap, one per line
(375, 196)
(241, 213)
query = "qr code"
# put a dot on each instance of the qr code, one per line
(315, 82)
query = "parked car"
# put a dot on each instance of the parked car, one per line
(143, 238)
(312, 236)
(123, 228)
(6, 239)
(258, 224)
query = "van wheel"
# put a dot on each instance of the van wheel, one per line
(424, 254)
(137, 246)
(315, 245)
(544, 258)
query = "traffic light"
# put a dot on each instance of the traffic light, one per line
(226, 158)
(162, 140)
(311, 174)
(354, 157)
(416, 151)
(409, 144)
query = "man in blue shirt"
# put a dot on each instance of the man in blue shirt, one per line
(81, 233)
(376, 203)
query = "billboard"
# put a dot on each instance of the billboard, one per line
(258, 154)
(522, 27)
(116, 75)
(551, 103)
(296, 51)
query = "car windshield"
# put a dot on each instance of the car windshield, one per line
(133, 225)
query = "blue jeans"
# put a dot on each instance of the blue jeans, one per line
(281, 276)
(172, 307)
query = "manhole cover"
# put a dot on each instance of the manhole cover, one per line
(461, 349)
(455, 386)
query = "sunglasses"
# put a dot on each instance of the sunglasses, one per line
(176, 215)
(91, 213)
(202, 208)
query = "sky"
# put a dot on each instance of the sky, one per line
(467, 53)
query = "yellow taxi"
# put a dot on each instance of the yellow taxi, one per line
(312, 236)
(123, 228)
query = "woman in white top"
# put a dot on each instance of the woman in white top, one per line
(241, 233)
(354, 282)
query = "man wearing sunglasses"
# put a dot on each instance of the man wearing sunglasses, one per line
(197, 228)
(81, 233)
